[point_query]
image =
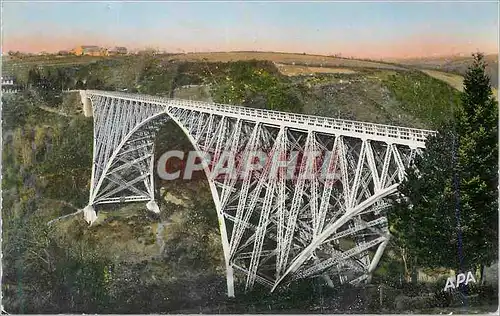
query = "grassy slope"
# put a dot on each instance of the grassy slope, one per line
(358, 97)
(454, 80)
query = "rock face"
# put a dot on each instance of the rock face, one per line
(193, 92)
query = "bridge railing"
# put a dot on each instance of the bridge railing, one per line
(381, 130)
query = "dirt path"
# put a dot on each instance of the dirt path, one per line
(160, 240)
(48, 109)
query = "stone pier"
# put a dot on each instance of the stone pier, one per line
(86, 104)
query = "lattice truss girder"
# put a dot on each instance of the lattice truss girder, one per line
(278, 229)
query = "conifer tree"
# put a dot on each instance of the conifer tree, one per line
(446, 212)
(478, 165)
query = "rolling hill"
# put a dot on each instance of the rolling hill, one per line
(452, 64)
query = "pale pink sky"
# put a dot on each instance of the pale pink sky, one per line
(366, 30)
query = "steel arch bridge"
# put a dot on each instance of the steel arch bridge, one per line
(273, 230)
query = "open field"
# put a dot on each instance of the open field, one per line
(456, 61)
(296, 70)
(11, 66)
(456, 81)
(453, 64)
(29, 61)
(285, 58)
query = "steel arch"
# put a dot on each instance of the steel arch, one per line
(281, 230)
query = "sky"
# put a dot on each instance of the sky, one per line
(358, 29)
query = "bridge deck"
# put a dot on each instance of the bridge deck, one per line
(411, 137)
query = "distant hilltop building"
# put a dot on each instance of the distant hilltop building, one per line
(118, 50)
(93, 50)
(88, 50)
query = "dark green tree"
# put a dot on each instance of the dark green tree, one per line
(446, 211)
(34, 77)
(478, 165)
(423, 218)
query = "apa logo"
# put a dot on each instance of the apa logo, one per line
(460, 278)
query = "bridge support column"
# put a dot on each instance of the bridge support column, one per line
(153, 206)
(86, 103)
(89, 214)
(328, 281)
(376, 258)
(230, 281)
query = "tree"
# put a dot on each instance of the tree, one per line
(14, 53)
(446, 211)
(422, 219)
(478, 164)
(34, 77)
(16, 111)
